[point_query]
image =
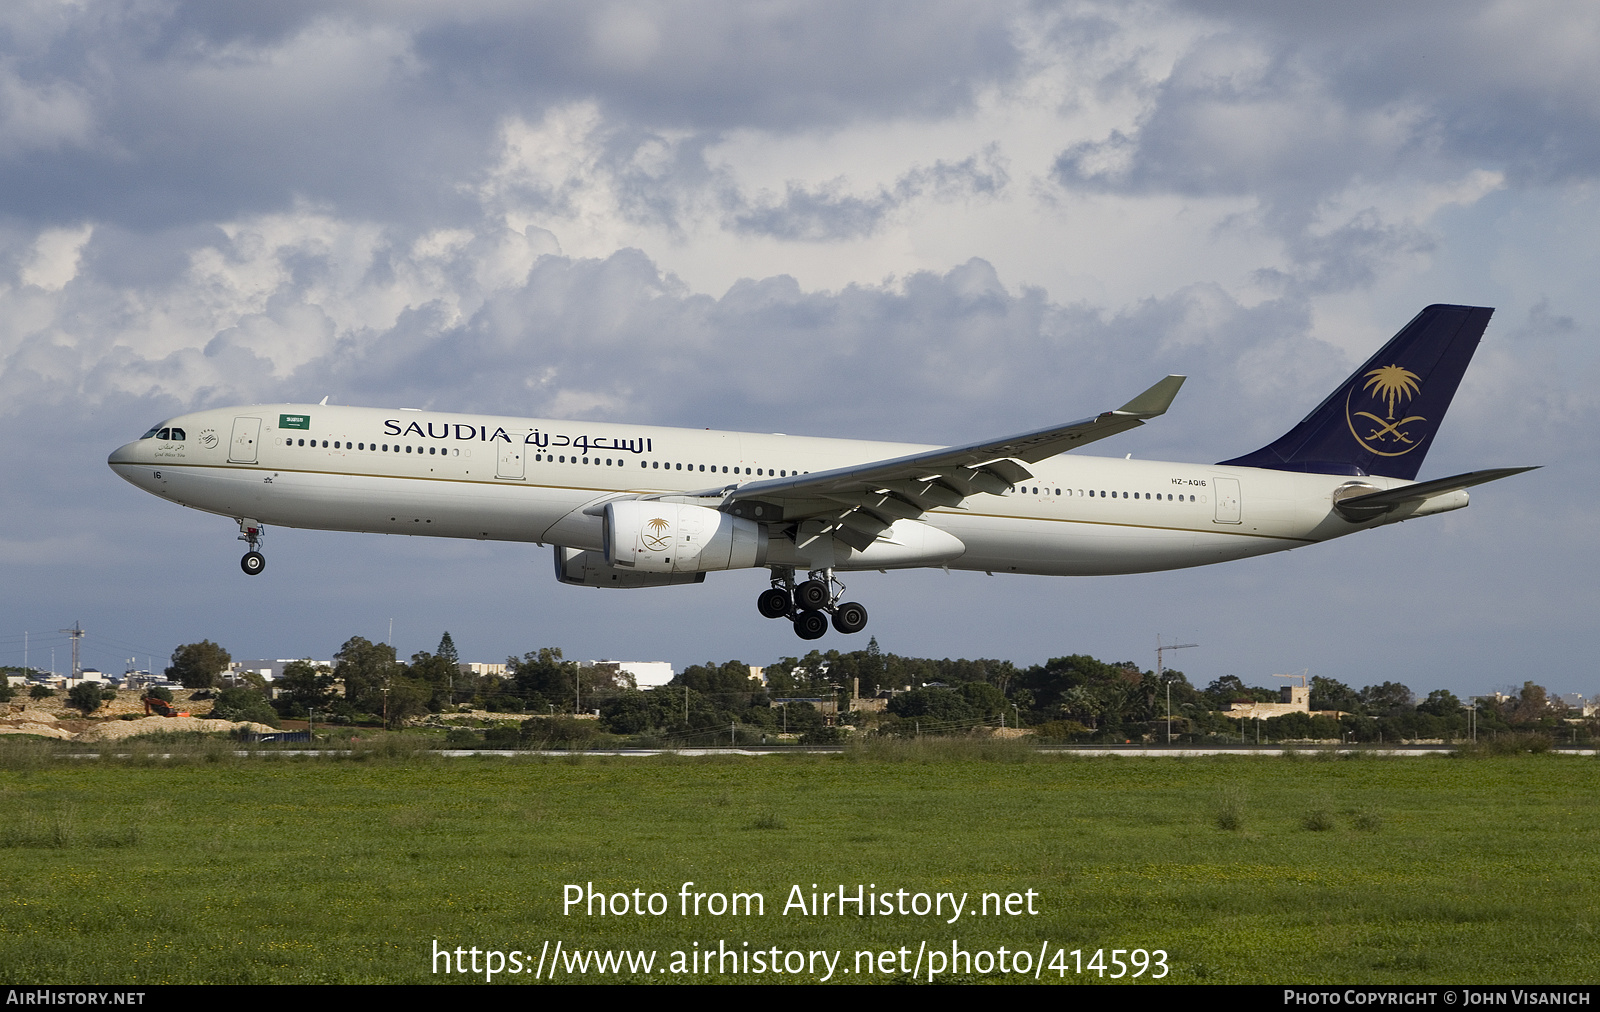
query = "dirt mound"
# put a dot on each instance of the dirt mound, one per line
(116, 730)
(41, 724)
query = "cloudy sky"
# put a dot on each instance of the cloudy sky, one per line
(925, 221)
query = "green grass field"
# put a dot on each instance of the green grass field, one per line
(210, 868)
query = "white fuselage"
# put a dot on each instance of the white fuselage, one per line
(510, 479)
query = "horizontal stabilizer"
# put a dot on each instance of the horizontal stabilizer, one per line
(1365, 507)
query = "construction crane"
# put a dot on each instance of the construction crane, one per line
(1160, 662)
(1160, 667)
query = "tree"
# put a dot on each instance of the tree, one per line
(437, 673)
(447, 649)
(85, 696)
(1230, 689)
(305, 685)
(41, 692)
(1390, 697)
(1330, 694)
(1533, 703)
(542, 677)
(199, 665)
(984, 698)
(932, 705)
(365, 668)
(1441, 703)
(734, 676)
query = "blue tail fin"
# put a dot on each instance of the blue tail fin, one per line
(1382, 420)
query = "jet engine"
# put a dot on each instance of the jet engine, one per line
(579, 568)
(650, 536)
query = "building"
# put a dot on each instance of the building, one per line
(1292, 699)
(642, 674)
(271, 670)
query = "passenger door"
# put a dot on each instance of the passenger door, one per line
(246, 433)
(1226, 491)
(513, 458)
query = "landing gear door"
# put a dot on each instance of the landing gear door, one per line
(513, 459)
(246, 433)
(1226, 492)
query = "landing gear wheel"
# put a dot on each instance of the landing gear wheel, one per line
(253, 563)
(850, 617)
(812, 595)
(773, 603)
(810, 625)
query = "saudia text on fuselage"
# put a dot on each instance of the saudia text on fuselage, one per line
(482, 434)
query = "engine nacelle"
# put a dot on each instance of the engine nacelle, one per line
(647, 536)
(588, 569)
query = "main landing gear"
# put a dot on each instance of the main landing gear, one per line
(252, 533)
(809, 604)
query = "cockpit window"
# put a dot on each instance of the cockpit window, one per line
(153, 430)
(177, 435)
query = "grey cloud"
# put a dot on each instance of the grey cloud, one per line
(1314, 95)
(936, 356)
(826, 213)
(192, 112)
(723, 65)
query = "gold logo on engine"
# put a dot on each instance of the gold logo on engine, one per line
(657, 535)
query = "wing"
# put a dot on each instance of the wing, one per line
(856, 504)
(1365, 507)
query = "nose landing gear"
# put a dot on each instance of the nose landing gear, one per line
(252, 534)
(809, 604)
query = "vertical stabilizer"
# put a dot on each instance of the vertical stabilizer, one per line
(1382, 419)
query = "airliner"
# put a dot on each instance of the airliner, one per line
(633, 506)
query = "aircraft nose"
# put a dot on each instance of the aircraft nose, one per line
(123, 455)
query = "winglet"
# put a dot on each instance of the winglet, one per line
(1154, 401)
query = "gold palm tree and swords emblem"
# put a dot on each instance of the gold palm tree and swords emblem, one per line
(1393, 385)
(657, 535)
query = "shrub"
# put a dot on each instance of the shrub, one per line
(85, 696)
(244, 704)
(1230, 809)
(1318, 820)
(502, 736)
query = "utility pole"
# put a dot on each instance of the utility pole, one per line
(1160, 668)
(76, 632)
